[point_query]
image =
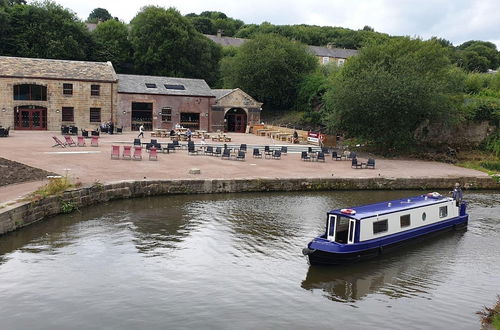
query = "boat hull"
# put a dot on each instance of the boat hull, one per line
(323, 252)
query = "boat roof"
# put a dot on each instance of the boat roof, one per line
(396, 205)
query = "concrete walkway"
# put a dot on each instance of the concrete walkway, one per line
(94, 164)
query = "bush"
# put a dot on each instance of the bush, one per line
(491, 165)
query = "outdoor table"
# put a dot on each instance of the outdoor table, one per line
(262, 131)
(269, 133)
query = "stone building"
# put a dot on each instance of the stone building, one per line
(41, 94)
(163, 102)
(234, 110)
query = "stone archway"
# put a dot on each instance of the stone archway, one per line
(235, 120)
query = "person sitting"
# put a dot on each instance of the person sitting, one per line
(295, 137)
(188, 134)
(172, 133)
(177, 126)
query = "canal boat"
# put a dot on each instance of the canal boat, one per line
(367, 231)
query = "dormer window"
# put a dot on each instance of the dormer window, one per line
(150, 85)
(177, 87)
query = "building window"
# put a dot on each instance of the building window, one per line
(95, 90)
(326, 60)
(166, 114)
(177, 87)
(404, 220)
(148, 85)
(341, 62)
(68, 114)
(443, 211)
(95, 115)
(380, 226)
(68, 89)
(30, 92)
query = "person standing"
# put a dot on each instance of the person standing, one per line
(141, 131)
(457, 194)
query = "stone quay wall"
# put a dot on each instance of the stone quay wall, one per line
(37, 210)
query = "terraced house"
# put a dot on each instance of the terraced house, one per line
(42, 94)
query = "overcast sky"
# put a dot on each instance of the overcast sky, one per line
(454, 20)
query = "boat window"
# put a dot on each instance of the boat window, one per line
(351, 231)
(443, 211)
(342, 227)
(424, 216)
(380, 226)
(404, 220)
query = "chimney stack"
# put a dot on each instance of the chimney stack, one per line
(330, 45)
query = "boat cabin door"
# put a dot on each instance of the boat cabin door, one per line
(352, 228)
(330, 227)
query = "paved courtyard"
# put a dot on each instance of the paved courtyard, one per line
(90, 164)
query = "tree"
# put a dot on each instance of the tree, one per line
(45, 30)
(210, 22)
(112, 44)
(99, 15)
(388, 90)
(5, 3)
(485, 57)
(166, 43)
(270, 68)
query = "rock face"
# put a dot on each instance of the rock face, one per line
(467, 135)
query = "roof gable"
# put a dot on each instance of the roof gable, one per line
(234, 98)
(22, 67)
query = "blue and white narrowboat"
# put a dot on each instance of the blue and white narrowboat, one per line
(367, 231)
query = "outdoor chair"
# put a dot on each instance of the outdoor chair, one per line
(59, 143)
(153, 154)
(243, 147)
(284, 150)
(321, 156)
(94, 141)
(226, 154)
(115, 152)
(127, 152)
(218, 151)
(137, 142)
(267, 152)
(119, 130)
(94, 133)
(4, 132)
(69, 141)
(309, 150)
(336, 156)
(370, 163)
(209, 150)
(170, 147)
(256, 153)
(355, 164)
(137, 153)
(176, 144)
(73, 130)
(304, 156)
(241, 155)
(64, 130)
(351, 155)
(325, 150)
(85, 133)
(192, 150)
(80, 141)
(277, 154)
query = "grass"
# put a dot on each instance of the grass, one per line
(56, 186)
(480, 161)
(491, 316)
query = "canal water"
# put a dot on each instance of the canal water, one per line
(234, 261)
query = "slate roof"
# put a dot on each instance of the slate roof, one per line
(220, 93)
(226, 41)
(333, 52)
(22, 67)
(137, 85)
(316, 50)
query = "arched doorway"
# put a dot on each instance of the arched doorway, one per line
(30, 117)
(236, 120)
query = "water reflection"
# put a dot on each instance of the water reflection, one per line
(412, 271)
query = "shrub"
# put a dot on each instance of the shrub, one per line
(56, 186)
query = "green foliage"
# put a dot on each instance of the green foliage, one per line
(313, 87)
(270, 68)
(210, 22)
(112, 44)
(165, 43)
(491, 165)
(492, 143)
(99, 15)
(388, 90)
(56, 186)
(43, 30)
(479, 56)
(68, 207)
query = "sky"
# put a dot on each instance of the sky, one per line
(454, 20)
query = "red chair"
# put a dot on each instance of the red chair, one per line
(127, 152)
(59, 143)
(94, 141)
(115, 152)
(69, 141)
(81, 141)
(137, 153)
(153, 154)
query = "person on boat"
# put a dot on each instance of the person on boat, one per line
(457, 193)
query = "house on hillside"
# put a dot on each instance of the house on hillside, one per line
(325, 55)
(42, 94)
